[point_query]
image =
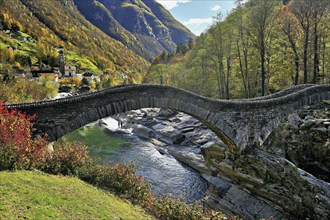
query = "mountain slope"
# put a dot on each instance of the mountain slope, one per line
(101, 17)
(150, 25)
(58, 22)
(180, 34)
(98, 35)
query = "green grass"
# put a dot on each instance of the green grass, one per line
(83, 62)
(3, 45)
(27, 48)
(35, 195)
(23, 34)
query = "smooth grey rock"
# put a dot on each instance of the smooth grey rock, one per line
(322, 130)
(308, 117)
(262, 185)
(307, 124)
(162, 150)
(168, 133)
(142, 131)
(234, 200)
(195, 161)
(294, 119)
(165, 112)
(100, 122)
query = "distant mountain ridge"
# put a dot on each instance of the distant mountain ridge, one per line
(144, 26)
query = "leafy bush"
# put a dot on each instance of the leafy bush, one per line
(23, 90)
(70, 81)
(18, 150)
(119, 178)
(169, 207)
(65, 160)
(123, 180)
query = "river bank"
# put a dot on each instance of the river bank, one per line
(254, 185)
(187, 140)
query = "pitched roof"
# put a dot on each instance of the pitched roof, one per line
(70, 64)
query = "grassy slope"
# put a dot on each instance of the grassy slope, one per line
(35, 195)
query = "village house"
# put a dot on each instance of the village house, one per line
(79, 76)
(49, 74)
(56, 69)
(89, 76)
(70, 70)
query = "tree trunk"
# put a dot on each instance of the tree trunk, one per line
(316, 56)
(323, 56)
(296, 58)
(263, 70)
(247, 70)
(242, 70)
(305, 58)
(228, 76)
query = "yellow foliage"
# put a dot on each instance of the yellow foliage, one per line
(70, 81)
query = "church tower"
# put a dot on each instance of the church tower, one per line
(62, 60)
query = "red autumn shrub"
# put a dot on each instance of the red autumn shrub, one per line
(18, 150)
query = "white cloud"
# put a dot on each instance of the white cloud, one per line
(216, 8)
(198, 21)
(169, 4)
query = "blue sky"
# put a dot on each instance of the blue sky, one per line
(197, 15)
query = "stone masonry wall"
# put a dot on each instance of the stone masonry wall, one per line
(241, 123)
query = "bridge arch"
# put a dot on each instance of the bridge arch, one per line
(239, 123)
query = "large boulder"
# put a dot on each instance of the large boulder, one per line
(166, 113)
(193, 160)
(143, 132)
(168, 134)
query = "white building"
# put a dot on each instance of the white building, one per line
(70, 70)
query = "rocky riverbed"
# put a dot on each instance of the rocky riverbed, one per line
(304, 139)
(268, 181)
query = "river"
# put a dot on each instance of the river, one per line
(167, 175)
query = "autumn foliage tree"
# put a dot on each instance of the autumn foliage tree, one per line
(18, 150)
(261, 24)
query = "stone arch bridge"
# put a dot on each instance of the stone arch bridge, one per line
(239, 123)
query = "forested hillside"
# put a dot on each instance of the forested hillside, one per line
(45, 25)
(98, 35)
(259, 48)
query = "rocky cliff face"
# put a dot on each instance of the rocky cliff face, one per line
(304, 140)
(101, 17)
(178, 32)
(267, 182)
(143, 25)
(276, 171)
